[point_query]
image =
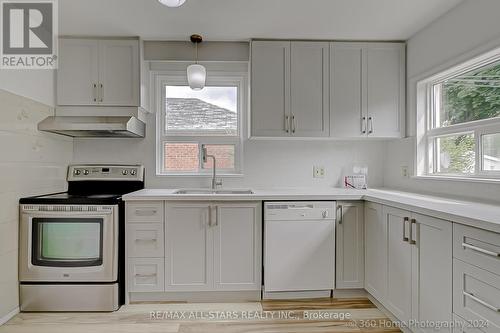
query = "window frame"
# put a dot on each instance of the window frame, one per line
(426, 158)
(220, 74)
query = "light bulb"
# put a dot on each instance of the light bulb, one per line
(172, 3)
(197, 75)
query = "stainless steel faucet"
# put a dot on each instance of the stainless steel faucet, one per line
(215, 182)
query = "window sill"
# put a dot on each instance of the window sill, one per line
(187, 175)
(459, 179)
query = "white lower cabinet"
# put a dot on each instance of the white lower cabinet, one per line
(188, 244)
(237, 247)
(476, 296)
(213, 246)
(408, 264)
(422, 269)
(145, 250)
(478, 247)
(350, 265)
(476, 279)
(375, 251)
(432, 271)
(145, 274)
(399, 267)
(145, 240)
(464, 326)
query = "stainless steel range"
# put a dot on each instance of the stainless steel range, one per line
(72, 244)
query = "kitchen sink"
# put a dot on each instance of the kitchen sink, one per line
(209, 191)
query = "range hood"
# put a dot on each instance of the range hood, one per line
(100, 126)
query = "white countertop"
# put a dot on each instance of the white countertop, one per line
(257, 195)
(475, 214)
(486, 216)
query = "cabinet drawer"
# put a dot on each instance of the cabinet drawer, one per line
(477, 247)
(465, 326)
(146, 274)
(476, 295)
(147, 212)
(145, 240)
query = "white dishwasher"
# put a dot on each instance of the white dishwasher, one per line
(299, 249)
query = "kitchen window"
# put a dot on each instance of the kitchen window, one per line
(190, 121)
(461, 108)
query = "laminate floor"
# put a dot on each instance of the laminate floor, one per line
(304, 316)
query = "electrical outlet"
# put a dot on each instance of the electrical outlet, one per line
(318, 172)
(405, 172)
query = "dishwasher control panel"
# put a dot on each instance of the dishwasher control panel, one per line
(299, 210)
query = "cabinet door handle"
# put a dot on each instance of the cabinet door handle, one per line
(94, 92)
(405, 239)
(146, 275)
(481, 250)
(480, 301)
(146, 240)
(101, 98)
(370, 125)
(363, 125)
(341, 214)
(287, 123)
(144, 212)
(209, 216)
(294, 123)
(412, 241)
(216, 216)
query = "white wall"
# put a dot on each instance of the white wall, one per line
(35, 84)
(468, 30)
(30, 163)
(266, 163)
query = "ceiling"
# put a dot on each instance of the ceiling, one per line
(245, 19)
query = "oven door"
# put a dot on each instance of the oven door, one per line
(68, 243)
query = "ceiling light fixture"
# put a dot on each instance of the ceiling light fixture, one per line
(196, 73)
(172, 3)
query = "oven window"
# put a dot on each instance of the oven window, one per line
(67, 242)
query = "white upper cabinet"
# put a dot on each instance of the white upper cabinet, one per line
(367, 93)
(346, 119)
(290, 88)
(78, 72)
(119, 72)
(102, 72)
(270, 116)
(309, 84)
(385, 89)
(314, 89)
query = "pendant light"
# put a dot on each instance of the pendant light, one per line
(196, 73)
(172, 3)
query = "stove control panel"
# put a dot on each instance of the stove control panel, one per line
(105, 172)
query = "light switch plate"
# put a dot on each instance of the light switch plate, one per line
(318, 171)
